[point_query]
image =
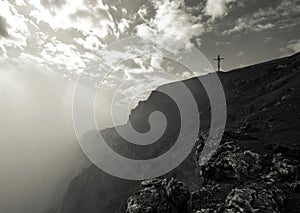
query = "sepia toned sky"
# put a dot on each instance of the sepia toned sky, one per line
(63, 35)
(46, 44)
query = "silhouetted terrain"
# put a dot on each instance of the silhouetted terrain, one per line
(263, 118)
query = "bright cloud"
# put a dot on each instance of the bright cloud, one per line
(13, 26)
(63, 55)
(91, 17)
(171, 20)
(217, 8)
(87, 27)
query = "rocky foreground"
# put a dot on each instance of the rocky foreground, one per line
(234, 180)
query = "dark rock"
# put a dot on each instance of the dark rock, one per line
(209, 198)
(168, 195)
(254, 199)
(235, 180)
(230, 163)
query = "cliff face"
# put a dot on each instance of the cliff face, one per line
(263, 112)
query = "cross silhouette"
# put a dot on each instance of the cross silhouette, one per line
(219, 59)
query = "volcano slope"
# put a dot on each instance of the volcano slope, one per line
(255, 169)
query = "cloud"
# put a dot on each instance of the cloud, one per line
(217, 8)
(14, 26)
(241, 53)
(91, 43)
(250, 25)
(293, 46)
(222, 43)
(268, 39)
(172, 20)
(3, 27)
(282, 16)
(90, 17)
(63, 56)
(58, 34)
(53, 3)
(83, 27)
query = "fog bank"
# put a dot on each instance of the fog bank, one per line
(39, 152)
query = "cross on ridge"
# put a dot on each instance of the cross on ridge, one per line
(219, 59)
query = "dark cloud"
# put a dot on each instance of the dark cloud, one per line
(3, 27)
(53, 3)
(192, 3)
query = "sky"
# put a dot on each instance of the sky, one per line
(46, 45)
(63, 35)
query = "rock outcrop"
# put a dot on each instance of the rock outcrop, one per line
(234, 180)
(159, 196)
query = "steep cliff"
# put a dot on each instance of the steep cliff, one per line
(263, 108)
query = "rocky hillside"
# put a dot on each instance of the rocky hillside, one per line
(254, 170)
(234, 180)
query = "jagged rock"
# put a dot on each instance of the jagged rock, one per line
(230, 163)
(238, 180)
(152, 182)
(158, 196)
(254, 199)
(209, 198)
(283, 169)
(224, 198)
(228, 197)
(292, 151)
(235, 180)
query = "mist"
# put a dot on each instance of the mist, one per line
(39, 152)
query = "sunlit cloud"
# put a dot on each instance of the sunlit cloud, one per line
(217, 8)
